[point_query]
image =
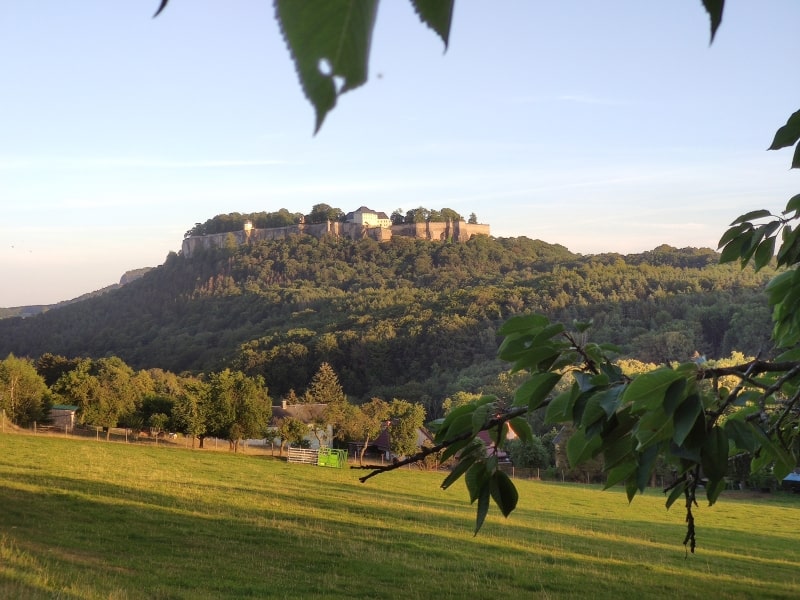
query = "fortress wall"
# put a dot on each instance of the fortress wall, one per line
(457, 231)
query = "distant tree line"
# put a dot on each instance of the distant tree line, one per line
(320, 213)
(405, 319)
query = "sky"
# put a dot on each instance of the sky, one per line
(604, 127)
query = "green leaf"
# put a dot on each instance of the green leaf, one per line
(535, 389)
(714, 489)
(714, 9)
(764, 253)
(735, 248)
(436, 14)
(630, 488)
(674, 396)
(504, 492)
(796, 158)
(476, 478)
(468, 445)
(647, 391)
(329, 42)
(579, 448)
(522, 428)
(788, 135)
(752, 215)
(620, 473)
(793, 206)
(653, 427)
(647, 462)
(460, 468)
(560, 409)
(618, 451)
(742, 435)
(676, 493)
(483, 507)
(715, 454)
(480, 415)
(685, 417)
(548, 332)
(520, 323)
(732, 233)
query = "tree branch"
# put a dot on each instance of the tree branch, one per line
(496, 421)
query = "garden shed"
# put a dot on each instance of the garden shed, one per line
(63, 416)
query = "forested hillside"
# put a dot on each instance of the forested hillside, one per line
(410, 318)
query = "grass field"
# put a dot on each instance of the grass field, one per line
(88, 519)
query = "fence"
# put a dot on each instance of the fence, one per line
(324, 457)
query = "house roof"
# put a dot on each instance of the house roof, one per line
(63, 407)
(307, 413)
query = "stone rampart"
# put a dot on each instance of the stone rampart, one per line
(458, 231)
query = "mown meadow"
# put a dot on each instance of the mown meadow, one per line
(91, 519)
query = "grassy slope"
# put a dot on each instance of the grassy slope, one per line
(88, 519)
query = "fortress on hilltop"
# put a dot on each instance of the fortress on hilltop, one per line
(361, 224)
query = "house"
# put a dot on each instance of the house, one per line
(63, 416)
(368, 218)
(381, 446)
(313, 415)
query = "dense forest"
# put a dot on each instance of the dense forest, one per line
(411, 319)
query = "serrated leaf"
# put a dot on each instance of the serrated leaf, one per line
(469, 444)
(436, 14)
(674, 396)
(714, 489)
(460, 468)
(580, 448)
(684, 418)
(742, 435)
(535, 389)
(547, 332)
(476, 478)
(520, 323)
(560, 409)
(793, 205)
(329, 42)
(730, 234)
(764, 253)
(483, 507)
(653, 427)
(676, 493)
(504, 492)
(630, 488)
(715, 454)
(479, 417)
(647, 462)
(734, 250)
(620, 473)
(752, 216)
(647, 391)
(531, 358)
(618, 452)
(788, 135)
(522, 428)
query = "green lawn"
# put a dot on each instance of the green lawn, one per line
(89, 519)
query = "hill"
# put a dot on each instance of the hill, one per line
(407, 318)
(35, 309)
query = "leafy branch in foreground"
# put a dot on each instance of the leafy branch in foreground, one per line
(687, 415)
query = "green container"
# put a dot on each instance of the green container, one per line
(328, 457)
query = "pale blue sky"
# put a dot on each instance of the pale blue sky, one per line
(606, 126)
